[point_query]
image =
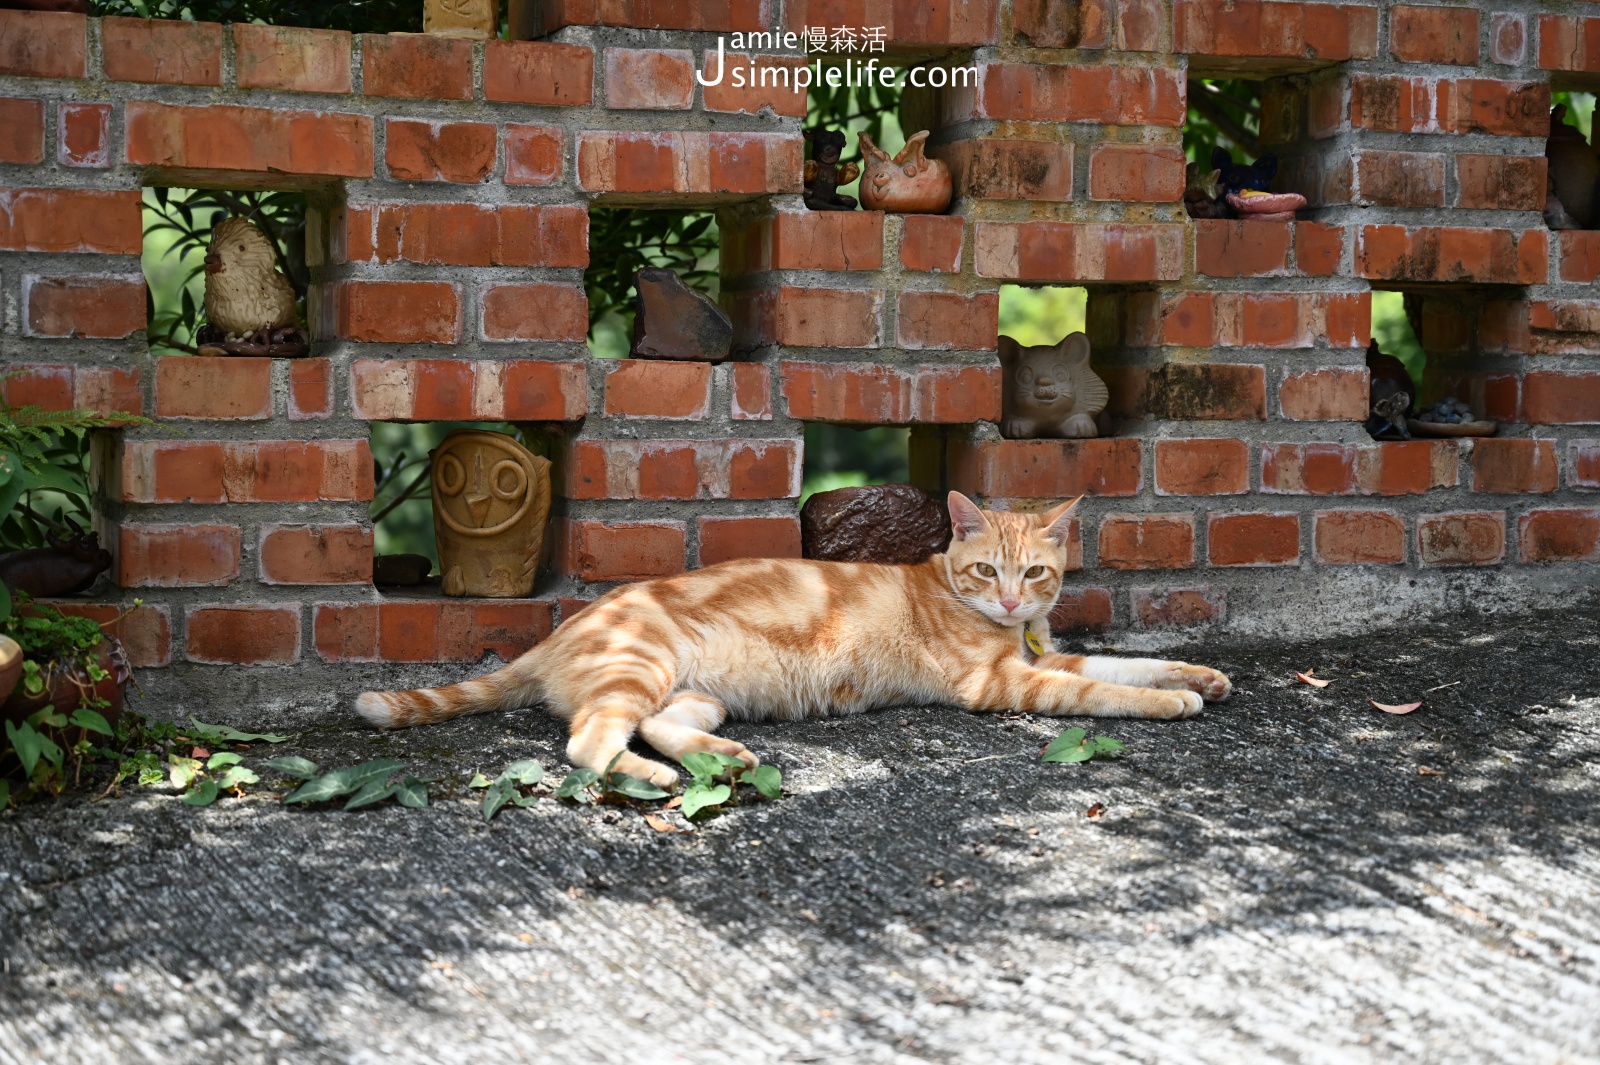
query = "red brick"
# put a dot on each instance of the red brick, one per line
(998, 169)
(1079, 251)
(83, 306)
(71, 220)
(295, 471)
(1139, 173)
(468, 234)
(21, 131)
(310, 389)
(1461, 255)
(169, 471)
(534, 312)
(1513, 465)
(1325, 395)
(1177, 608)
(882, 395)
(1388, 469)
(1500, 182)
(643, 389)
(1578, 255)
(538, 72)
(645, 79)
(751, 393)
(316, 554)
(722, 539)
(249, 140)
(809, 317)
(49, 387)
(1569, 42)
(254, 635)
(1147, 541)
(176, 556)
(1041, 24)
(218, 388)
(1553, 398)
(288, 59)
(463, 390)
(1398, 179)
(416, 67)
(571, 606)
(43, 44)
(1463, 539)
(408, 632)
(1434, 34)
(1081, 610)
(727, 16)
(1112, 95)
(1583, 464)
(1044, 469)
(145, 631)
(535, 155)
(165, 51)
(1568, 535)
(102, 389)
(345, 632)
(1202, 467)
(1228, 248)
(397, 312)
(773, 85)
(699, 164)
(83, 135)
(1318, 248)
(1253, 539)
(1208, 392)
(819, 240)
(1324, 32)
(931, 242)
(1508, 38)
(470, 630)
(1352, 537)
(620, 551)
(944, 395)
(421, 150)
(945, 321)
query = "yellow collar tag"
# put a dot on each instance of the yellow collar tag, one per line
(1032, 641)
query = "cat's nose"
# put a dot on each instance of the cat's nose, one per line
(1010, 605)
(1045, 382)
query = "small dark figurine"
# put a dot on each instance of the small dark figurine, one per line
(69, 563)
(1202, 193)
(824, 174)
(1391, 393)
(1239, 177)
(1574, 169)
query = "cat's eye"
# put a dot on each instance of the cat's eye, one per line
(986, 569)
(1061, 373)
(1025, 375)
(1034, 571)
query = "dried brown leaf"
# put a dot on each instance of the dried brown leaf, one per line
(1403, 708)
(660, 824)
(1315, 682)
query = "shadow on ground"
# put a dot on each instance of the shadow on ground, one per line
(1293, 876)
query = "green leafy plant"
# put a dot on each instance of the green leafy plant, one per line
(714, 780)
(361, 785)
(1074, 745)
(515, 785)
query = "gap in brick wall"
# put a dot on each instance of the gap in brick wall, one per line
(625, 240)
(873, 109)
(1393, 332)
(402, 506)
(1223, 113)
(177, 230)
(843, 456)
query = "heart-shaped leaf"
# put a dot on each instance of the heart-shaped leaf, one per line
(766, 779)
(576, 785)
(526, 772)
(1068, 742)
(698, 796)
(633, 787)
(479, 781)
(327, 786)
(223, 759)
(1069, 754)
(92, 720)
(292, 765)
(237, 777)
(378, 769)
(1403, 708)
(702, 765)
(499, 793)
(204, 794)
(370, 792)
(413, 793)
(233, 735)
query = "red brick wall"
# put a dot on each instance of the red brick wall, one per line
(450, 182)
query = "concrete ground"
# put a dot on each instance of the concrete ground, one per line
(1293, 876)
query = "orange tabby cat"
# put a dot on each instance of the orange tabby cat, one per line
(671, 659)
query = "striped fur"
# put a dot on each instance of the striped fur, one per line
(784, 639)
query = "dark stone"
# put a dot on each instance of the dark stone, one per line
(401, 571)
(676, 322)
(66, 566)
(896, 523)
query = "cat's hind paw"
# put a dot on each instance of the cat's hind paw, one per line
(1173, 705)
(1210, 684)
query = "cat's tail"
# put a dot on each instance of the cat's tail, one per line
(518, 684)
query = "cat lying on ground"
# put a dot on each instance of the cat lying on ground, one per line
(785, 639)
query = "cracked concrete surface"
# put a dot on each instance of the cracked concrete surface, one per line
(1276, 880)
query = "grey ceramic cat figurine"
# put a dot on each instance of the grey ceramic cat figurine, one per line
(1049, 391)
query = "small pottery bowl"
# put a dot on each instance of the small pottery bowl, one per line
(10, 665)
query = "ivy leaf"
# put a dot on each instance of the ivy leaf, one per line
(698, 796)
(702, 765)
(499, 793)
(576, 785)
(292, 765)
(1107, 745)
(766, 779)
(47, 717)
(633, 787)
(1069, 742)
(238, 776)
(525, 772)
(28, 743)
(204, 794)
(377, 769)
(413, 793)
(92, 720)
(223, 759)
(233, 735)
(479, 781)
(372, 791)
(1069, 754)
(182, 771)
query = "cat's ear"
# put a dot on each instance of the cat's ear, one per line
(965, 517)
(1009, 350)
(1075, 346)
(1057, 522)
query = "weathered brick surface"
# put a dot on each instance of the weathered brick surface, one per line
(724, 539)
(243, 635)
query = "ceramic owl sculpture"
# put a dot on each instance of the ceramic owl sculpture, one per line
(491, 499)
(245, 291)
(1049, 391)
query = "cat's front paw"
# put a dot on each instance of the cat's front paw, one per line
(1079, 427)
(1211, 685)
(1017, 429)
(1173, 705)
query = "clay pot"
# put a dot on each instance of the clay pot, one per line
(910, 183)
(10, 665)
(66, 683)
(491, 498)
(1269, 207)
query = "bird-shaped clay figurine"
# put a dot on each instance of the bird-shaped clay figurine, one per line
(245, 291)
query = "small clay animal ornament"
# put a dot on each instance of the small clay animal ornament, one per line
(1049, 391)
(1392, 392)
(66, 565)
(1238, 177)
(910, 183)
(249, 303)
(1202, 193)
(491, 499)
(824, 174)
(1574, 171)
